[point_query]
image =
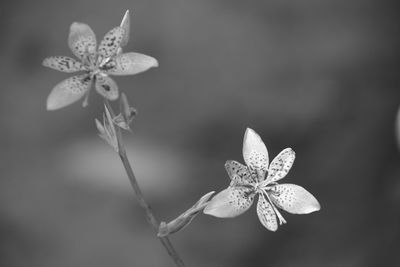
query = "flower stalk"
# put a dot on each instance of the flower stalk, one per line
(150, 217)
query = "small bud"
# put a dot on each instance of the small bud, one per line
(107, 130)
(185, 218)
(128, 113)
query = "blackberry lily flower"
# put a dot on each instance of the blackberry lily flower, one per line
(96, 63)
(257, 178)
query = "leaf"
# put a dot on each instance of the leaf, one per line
(64, 64)
(281, 165)
(255, 152)
(81, 40)
(294, 199)
(68, 91)
(132, 63)
(106, 87)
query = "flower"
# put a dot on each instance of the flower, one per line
(258, 179)
(96, 63)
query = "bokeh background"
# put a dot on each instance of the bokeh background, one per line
(318, 76)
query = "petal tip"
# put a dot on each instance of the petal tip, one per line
(155, 63)
(51, 105)
(45, 62)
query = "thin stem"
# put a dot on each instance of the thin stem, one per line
(151, 219)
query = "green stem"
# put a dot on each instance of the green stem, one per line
(151, 219)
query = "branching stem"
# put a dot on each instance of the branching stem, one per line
(151, 219)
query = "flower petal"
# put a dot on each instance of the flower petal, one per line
(255, 152)
(266, 214)
(294, 199)
(281, 165)
(236, 170)
(132, 63)
(81, 40)
(230, 202)
(125, 24)
(111, 42)
(106, 87)
(64, 64)
(68, 91)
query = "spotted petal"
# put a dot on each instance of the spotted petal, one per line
(64, 64)
(230, 202)
(266, 214)
(81, 40)
(281, 165)
(68, 91)
(238, 173)
(106, 87)
(132, 63)
(255, 152)
(126, 24)
(111, 42)
(294, 199)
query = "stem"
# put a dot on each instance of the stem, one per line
(151, 219)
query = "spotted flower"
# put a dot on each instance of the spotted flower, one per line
(96, 63)
(260, 178)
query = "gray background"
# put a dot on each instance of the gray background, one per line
(318, 76)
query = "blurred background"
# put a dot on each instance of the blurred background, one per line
(318, 76)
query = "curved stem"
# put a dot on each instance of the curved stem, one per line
(151, 219)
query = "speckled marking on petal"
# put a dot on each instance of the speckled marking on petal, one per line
(132, 63)
(293, 198)
(111, 42)
(241, 198)
(62, 63)
(107, 87)
(281, 165)
(266, 214)
(259, 162)
(68, 91)
(238, 172)
(82, 40)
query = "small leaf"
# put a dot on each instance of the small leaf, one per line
(107, 130)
